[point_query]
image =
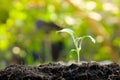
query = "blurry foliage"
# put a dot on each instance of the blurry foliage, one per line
(20, 37)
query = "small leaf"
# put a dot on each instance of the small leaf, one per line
(73, 50)
(93, 40)
(69, 31)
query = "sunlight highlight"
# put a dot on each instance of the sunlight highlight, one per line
(99, 39)
(95, 16)
(16, 50)
(69, 20)
(110, 7)
(91, 5)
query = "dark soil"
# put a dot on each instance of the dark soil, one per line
(85, 71)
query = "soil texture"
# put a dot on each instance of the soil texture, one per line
(52, 71)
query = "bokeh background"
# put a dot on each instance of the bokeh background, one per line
(28, 30)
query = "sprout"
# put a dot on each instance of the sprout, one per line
(77, 41)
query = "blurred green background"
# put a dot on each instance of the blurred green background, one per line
(28, 30)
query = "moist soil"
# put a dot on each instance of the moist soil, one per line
(52, 71)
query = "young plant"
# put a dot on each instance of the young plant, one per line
(77, 41)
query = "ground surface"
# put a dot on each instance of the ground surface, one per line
(85, 71)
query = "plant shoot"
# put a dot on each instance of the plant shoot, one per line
(77, 41)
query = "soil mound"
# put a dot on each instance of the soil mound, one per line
(51, 71)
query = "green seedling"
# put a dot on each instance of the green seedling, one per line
(77, 41)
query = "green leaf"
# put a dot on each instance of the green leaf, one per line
(92, 39)
(69, 31)
(73, 50)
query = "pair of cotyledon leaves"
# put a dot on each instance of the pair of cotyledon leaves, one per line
(71, 32)
(77, 39)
